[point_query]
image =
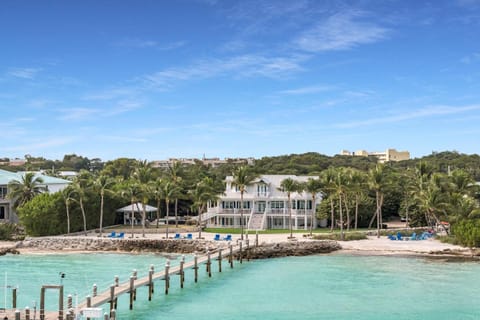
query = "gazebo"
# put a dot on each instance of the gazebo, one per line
(137, 209)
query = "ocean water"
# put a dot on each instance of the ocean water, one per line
(314, 287)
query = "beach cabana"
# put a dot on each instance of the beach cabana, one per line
(137, 209)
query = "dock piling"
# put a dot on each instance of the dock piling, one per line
(14, 298)
(240, 252)
(94, 290)
(27, 313)
(69, 301)
(182, 273)
(247, 249)
(150, 283)
(195, 266)
(209, 264)
(132, 290)
(230, 256)
(219, 260)
(116, 281)
(17, 314)
(112, 298)
(167, 277)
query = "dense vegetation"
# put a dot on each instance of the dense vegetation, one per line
(357, 191)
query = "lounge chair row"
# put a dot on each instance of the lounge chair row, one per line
(189, 236)
(113, 234)
(228, 237)
(424, 236)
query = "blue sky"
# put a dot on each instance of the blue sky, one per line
(158, 79)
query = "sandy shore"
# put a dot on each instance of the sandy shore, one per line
(370, 246)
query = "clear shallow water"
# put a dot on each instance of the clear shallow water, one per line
(316, 287)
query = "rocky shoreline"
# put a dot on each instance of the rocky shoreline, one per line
(79, 244)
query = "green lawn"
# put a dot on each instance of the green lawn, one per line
(272, 231)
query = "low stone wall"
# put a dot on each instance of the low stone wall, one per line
(264, 250)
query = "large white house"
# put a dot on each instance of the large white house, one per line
(7, 214)
(264, 206)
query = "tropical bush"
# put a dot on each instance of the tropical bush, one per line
(467, 233)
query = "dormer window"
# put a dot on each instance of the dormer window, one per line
(262, 189)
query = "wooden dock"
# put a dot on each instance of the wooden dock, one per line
(110, 295)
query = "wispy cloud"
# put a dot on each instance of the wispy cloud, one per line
(76, 114)
(307, 90)
(471, 58)
(238, 66)
(144, 43)
(24, 73)
(341, 31)
(426, 112)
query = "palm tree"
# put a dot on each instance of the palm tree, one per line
(313, 186)
(67, 195)
(80, 185)
(327, 178)
(357, 179)
(203, 193)
(143, 175)
(175, 172)
(23, 190)
(170, 191)
(339, 184)
(102, 184)
(377, 180)
(156, 189)
(242, 177)
(289, 185)
(133, 192)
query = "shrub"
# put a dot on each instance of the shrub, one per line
(467, 232)
(9, 231)
(349, 236)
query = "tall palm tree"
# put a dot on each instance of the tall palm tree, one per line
(339, 184)
(175, 174)
(23, 190)
(156, 188)
(81, 184)
(242, 177)
(328, 177)
(357, 179)
(67, 195)
(377, 180)
(313, 186)
(144, 175)
(102, 184)
(203, 193)
(170, 191)
(133, 192)
(289, 185)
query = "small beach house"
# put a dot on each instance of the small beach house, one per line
(7, 214)
(265, 206)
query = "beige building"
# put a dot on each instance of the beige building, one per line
(214, 162)
(382, 156)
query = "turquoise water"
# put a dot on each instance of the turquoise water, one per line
(315, 287)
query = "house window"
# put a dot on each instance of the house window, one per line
(262, 189)
(3, 192)
(2, 213)
(276, 204)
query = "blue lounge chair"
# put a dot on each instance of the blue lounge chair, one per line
(177, 236)
(414, 236)
(189, 236)
(392, 237)
(217, 237)
(228, 237)
(112, 235)
(120, 235)
(399, 236)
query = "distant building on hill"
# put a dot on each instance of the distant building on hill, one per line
(7, 213)
(382, 156)
(214, 162)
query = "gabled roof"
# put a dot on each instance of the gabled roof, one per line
(137, 207)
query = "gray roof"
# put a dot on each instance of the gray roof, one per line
(7, 176)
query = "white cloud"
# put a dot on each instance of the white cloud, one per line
(75, 114)
(307, 90)
(143, 43)
(24, 73)
(340, 31)
(426, 112)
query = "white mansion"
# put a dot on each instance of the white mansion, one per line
(7, 214)
(265, 206)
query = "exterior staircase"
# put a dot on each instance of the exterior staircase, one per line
(256, 221)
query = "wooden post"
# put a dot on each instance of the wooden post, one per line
(230, 256)
(94, 290)
(89, 303)
(14, 298)
(69, 301)
(134, 273)
(209, 264)
(27, 313)
(219, 260)
(71, 314)
(240, 252)
(105, 316)
(132, 280)
(152, 268)
(42, 303)
(195, 266)
(113, 314)
(116, 281)
(247, 250)
(60, 303)
(17, 314)
(167, 277)
(112, 298)
(150, 284)
(256, 239)
(182, 273)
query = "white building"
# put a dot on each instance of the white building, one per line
(265, 206)
(382, 156)
(7, 214)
